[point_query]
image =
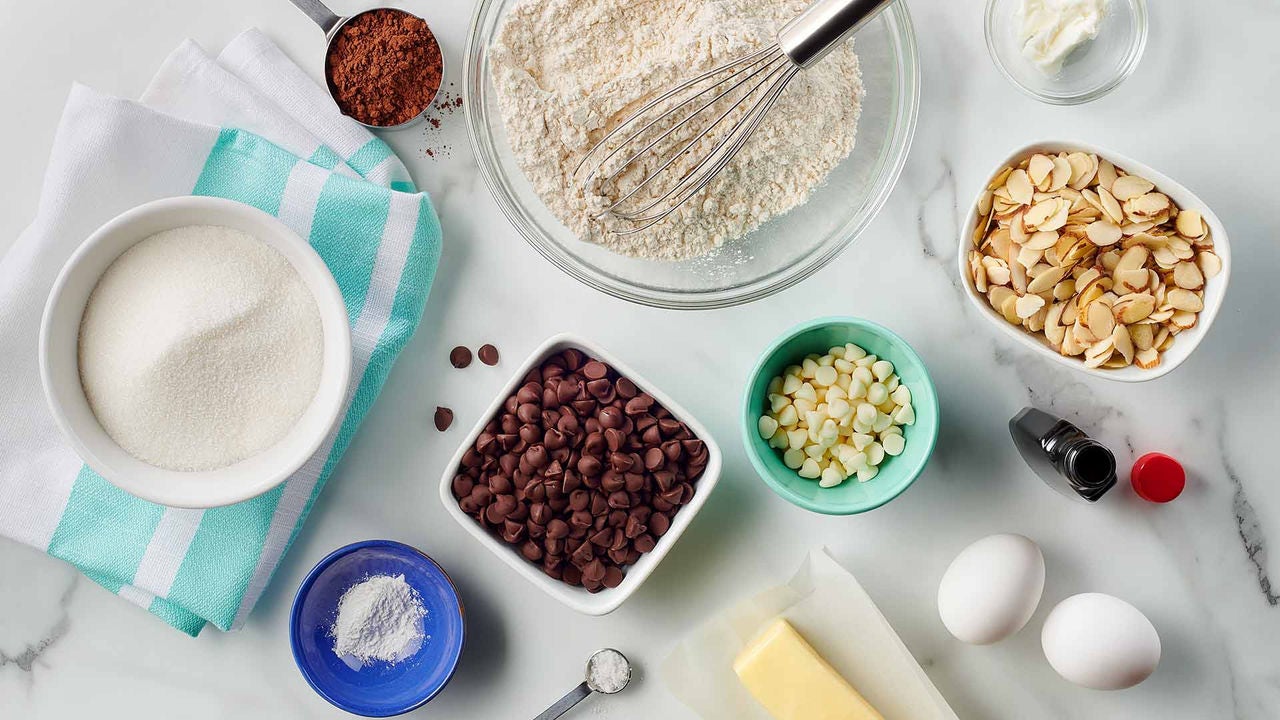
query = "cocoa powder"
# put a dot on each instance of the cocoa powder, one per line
(384, 67)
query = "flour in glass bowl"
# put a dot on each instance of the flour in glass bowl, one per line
(565, 71)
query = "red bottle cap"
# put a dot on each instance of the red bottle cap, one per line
(1158, 478)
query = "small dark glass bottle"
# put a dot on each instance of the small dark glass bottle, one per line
(1066, 458)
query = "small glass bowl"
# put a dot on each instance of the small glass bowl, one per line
(1090, 72)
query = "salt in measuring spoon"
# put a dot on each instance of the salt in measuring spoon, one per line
(599, 679)
(331, 23)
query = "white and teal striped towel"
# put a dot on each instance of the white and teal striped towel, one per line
(252, 127)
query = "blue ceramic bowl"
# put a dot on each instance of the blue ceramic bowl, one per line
(896, 473)
(377, 689)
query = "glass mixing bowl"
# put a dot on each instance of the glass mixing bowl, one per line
(778, 254)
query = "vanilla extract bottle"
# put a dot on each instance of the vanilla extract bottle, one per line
(1063, 455)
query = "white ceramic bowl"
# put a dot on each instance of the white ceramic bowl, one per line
(608, 600)
(1186, 341)
(60, 369)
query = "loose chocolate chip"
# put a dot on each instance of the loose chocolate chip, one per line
(572, 359)
(462, 486)
(594, 571)
(611, 417)
(572, 575)
(639, 404)
(500, 484)
(531, 551)
(626, 388)
(553, 545)
(460, 357)
(595, 370)
(488, 354)
(557, 529)
(444, 418)
(613, 576)
(659, 523)
(644, 543)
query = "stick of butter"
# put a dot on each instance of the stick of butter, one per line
(793, 682)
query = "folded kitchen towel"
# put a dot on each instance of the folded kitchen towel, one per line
(252, 127)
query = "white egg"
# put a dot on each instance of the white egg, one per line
(1100, 642)
(991, 589)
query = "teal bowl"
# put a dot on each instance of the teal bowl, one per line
(896, 473)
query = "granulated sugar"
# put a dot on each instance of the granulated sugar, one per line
(199, 347)
(565, 70)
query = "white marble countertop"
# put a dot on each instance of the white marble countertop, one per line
(1202, 108)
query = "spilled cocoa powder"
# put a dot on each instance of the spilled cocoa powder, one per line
(384, 67)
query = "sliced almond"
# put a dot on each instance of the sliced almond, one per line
(1027, 257)
(1100, 320)
(1061, 174)
(1190, 224)
(1142, 336)
(1020, 189)
(1111, 206)
(1059, 217)
(1123, 343)
(1041, 212)
(1132, 280)
(1187, 275)
(1039, 169)
(1134, 308)
(1046, 280)
(1064, 290)
(1210, 264)
(1104, 233)
(1041, 240)
(1106, 174)
(1147, 358)
(997, 295)
(1009, 309)
(1130, 186)
(1053, 329)
(1185, 300)
(1183, 320)
(1083, 170)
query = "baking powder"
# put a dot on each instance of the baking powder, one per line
(379, 618)
(565, 71)
(200, 346)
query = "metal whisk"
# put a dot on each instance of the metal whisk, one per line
(634, 167)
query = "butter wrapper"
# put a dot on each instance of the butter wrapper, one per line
(825, 603)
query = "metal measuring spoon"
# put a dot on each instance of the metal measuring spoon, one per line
(331, 23)
(588, 685)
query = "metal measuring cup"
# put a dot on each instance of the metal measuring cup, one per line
(332, 23)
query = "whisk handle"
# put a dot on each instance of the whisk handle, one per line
(823, 25)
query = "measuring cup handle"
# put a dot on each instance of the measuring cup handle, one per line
(562, 705)
(319, 13)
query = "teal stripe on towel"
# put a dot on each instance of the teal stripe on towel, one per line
(186, 621)
(411, 297)
(229, 538)
(104, 528)
(348, 214)
(369, 156)
(247, 168)
(325, 158)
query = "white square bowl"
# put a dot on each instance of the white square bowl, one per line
(1185, 343)
(607, 600)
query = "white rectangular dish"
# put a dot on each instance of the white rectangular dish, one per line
(1186, 341)
(579, 599)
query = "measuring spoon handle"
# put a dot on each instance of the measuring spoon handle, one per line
(319, 13)
(563, 705)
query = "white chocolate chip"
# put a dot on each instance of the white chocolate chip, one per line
(893, 444)
(831, 477)
(809, 469)
(768, 426)
(882, 369)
